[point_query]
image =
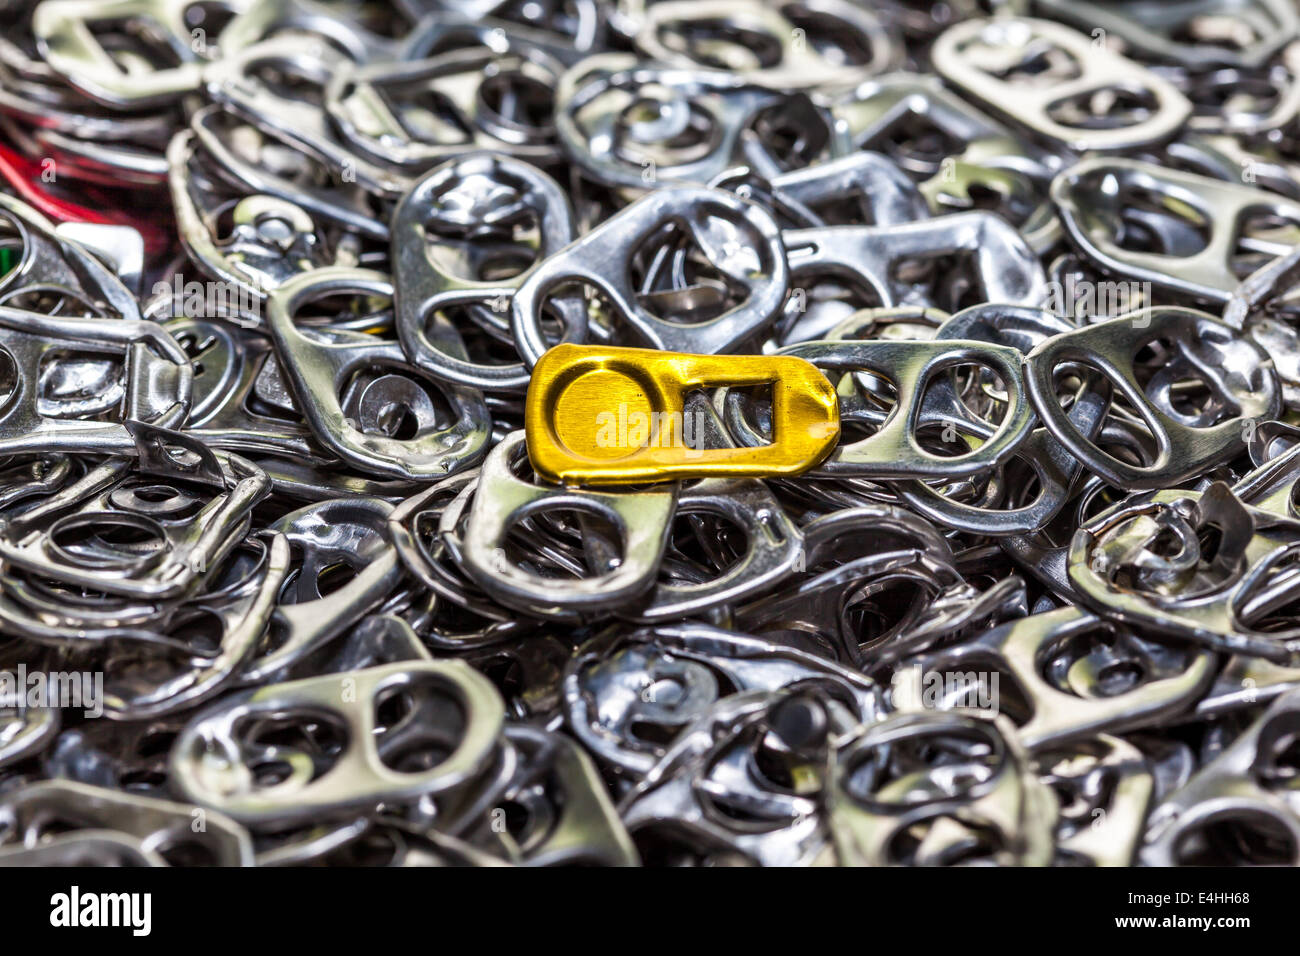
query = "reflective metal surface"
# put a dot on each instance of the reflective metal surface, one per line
(646, 432)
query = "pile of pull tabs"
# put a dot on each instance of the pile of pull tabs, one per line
(719, 432)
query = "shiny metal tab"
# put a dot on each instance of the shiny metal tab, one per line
(611, 416)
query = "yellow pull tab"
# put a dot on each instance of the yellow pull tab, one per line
(599, 415)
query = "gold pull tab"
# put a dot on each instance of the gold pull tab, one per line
(599, 415)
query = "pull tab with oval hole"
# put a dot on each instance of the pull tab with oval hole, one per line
(69, 32)
(740, 239)
(615, 112)
(456, 223)
(361, 398)
(981, 56)
(1097, 196)
(609, 416)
